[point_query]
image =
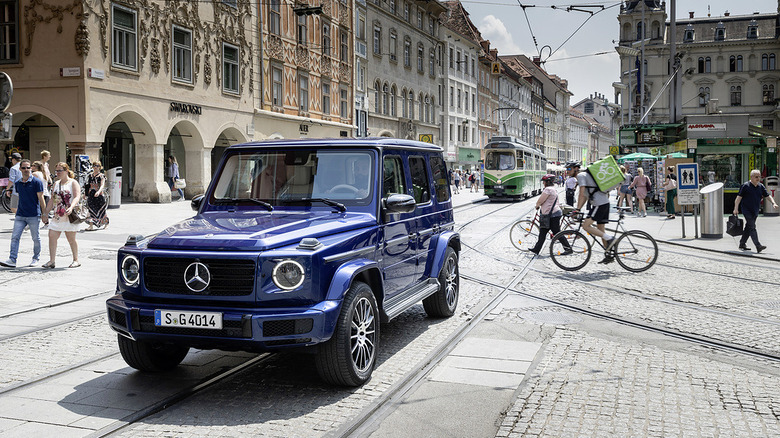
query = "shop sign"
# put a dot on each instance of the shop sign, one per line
(680, 146)
(70, 72)
(303, 129)
(627, 137)
(96, 73)
(703, 127)
(755, 141)
(613, 150)
(185, 108)
(426, 138)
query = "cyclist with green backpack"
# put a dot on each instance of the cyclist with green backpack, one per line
(598, 210)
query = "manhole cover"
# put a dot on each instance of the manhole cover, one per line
(550, 317)
(768, 304)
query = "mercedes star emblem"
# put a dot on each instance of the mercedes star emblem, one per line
(197, 277)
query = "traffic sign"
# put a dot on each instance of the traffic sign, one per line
(688, 184)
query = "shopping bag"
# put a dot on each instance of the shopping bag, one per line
(180, 183)
(734, 226)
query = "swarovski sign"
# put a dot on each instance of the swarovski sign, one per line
(186, 108)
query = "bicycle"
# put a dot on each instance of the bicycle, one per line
(634, 250)
(526, 230)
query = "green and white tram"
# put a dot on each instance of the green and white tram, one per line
(513, 170)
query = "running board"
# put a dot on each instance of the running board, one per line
(406, 299)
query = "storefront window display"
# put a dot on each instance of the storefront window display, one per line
(725, 168)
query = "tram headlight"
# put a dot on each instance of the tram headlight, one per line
(288, 274)
(130, 270)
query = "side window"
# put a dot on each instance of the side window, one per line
(393, 181)
(420, 184)
(440, 179)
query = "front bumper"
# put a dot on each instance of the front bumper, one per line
(245, 329)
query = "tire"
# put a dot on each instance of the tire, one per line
(5, 201)
(149, 356)
(636, 251)
(443, 303)
(578, 243)
(349, 356)
(523, 233)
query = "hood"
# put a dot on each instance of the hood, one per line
(255, 231)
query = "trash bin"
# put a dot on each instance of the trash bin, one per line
(772, 184)
(712, 211)
(114, 187)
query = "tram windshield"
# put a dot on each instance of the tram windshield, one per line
(500, 160)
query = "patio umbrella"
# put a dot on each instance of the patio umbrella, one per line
(636, 156)
(677, 155)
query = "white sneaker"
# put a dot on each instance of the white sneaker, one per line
(8, 264)
(34, 263)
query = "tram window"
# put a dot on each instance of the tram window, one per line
(496, 160)
(393, 176)
(440, 179)
(420, 185)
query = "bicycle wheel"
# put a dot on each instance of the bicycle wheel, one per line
(636, 251)
(524, 233)
(5, 201)
(574, 259)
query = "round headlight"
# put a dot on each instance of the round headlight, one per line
(130, 270)
(288, 274)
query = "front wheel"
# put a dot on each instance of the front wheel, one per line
(5, 201)
(349, 356)
(151, 356)
(445, 300)
(636, 251)
(524, 233)
(570, 250)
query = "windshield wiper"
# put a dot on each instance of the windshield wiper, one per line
(267, 206)
(329, 202)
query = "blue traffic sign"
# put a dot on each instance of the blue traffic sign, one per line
(688, 176)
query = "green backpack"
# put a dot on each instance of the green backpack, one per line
(606, 173)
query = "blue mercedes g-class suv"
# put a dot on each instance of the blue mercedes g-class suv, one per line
(296, 244)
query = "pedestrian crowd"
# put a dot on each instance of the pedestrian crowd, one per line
(469, 179)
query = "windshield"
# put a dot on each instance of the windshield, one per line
(286, 176)
(500, 160)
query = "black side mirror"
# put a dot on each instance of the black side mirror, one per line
(196, 202)
(399, 203)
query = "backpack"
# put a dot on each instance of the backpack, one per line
(607, 175)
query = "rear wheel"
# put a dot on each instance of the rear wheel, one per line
(570, 250)
(636, 251)
(524, 233)
(349, 356)
(5, 201)
(445, 300)
(151, 356)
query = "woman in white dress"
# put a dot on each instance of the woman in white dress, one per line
(66, 193)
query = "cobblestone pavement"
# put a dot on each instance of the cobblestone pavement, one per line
(587, 385)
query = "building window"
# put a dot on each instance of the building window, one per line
(704, 96)
(343, 102)
(302, 30)
(385, 99)
(452, 61)
(736, 95)
(393, 47)
(325, 38)
(473, 102)
(407, 54)
(768, 124)
(277, 87)
(182, 54)
(639, 32)
(588, 107)
(393, 101)
(361, 75)
(735, 63)
(9, 38)
(377, 40)
(460, 98)
(431, 25)
(720, 32)
(274, 17)
(427, 109)
(124, 43)
(458, 62)
(230, 68)
(406, 11)
(420, 59)
(411, 105)
(466, 101)
(344, 45)
(688, 36)
(432, 62)
(752, 32)
(404, 110)
(361, 27)
(419, 19)
(769, 94)
(325, 98)
(377, 99)
(452, 97)
(303, 92)
(707, 65)
(392, 7)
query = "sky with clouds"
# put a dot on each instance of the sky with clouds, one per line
(588, 59)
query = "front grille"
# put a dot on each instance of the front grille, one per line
(229, 277)
(286, 327)
(117, 317)
(230, 328)
(288, 342)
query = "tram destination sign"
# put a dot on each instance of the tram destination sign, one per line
(688, 184)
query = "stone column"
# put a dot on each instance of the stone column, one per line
(198, 171)
(150, 185)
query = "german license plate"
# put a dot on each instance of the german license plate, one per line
(183, 318)
(498, 186)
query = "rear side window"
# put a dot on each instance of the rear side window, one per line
(420, 184)
(440, 179)
(393, 176)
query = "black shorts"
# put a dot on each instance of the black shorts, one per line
(599, 214)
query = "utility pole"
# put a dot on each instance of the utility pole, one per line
(675, 99)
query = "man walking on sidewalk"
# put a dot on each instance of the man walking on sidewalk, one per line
(750, 196)
(31, 204)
